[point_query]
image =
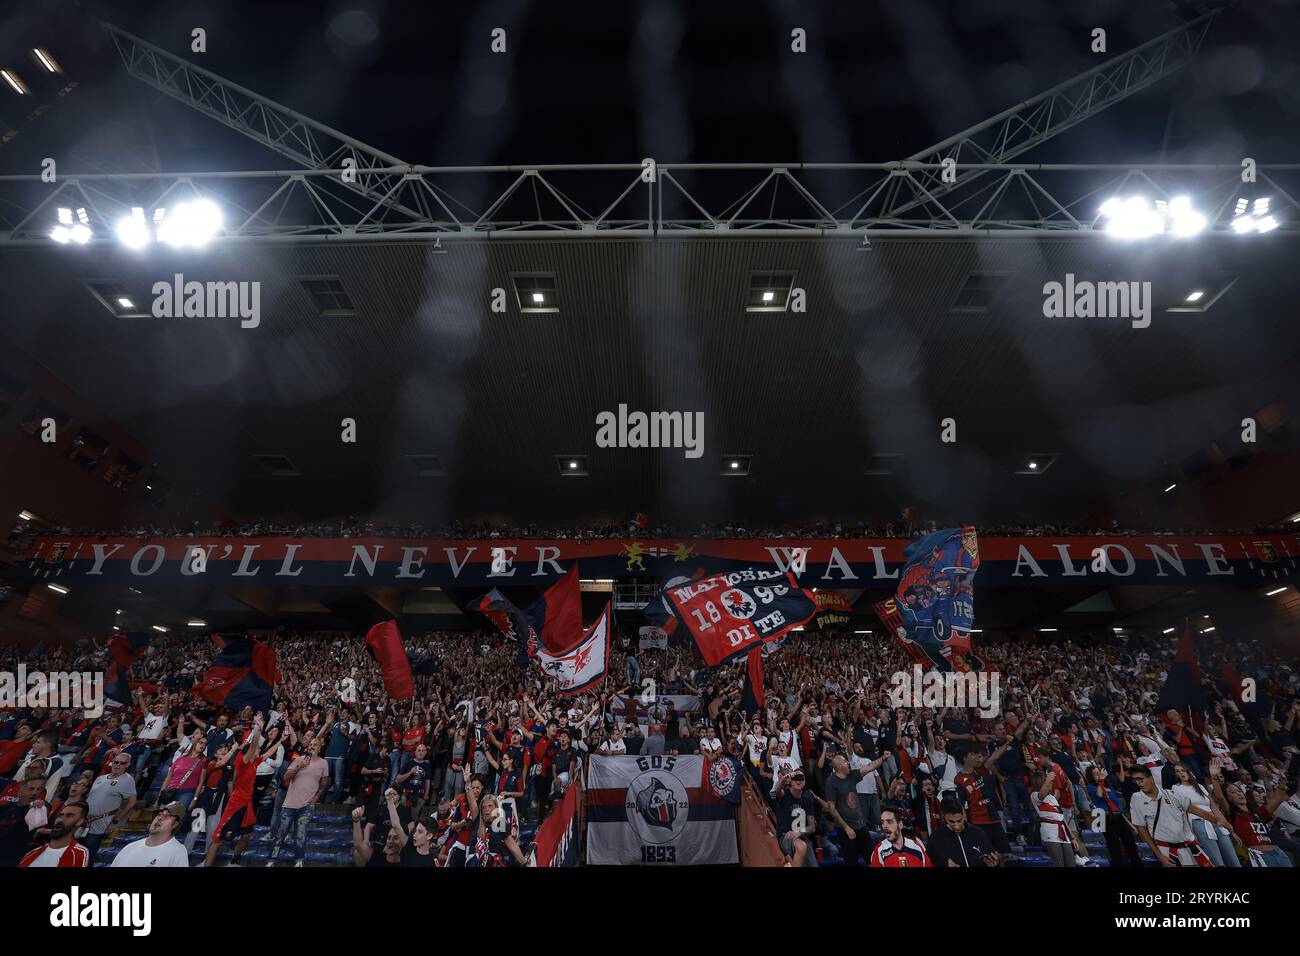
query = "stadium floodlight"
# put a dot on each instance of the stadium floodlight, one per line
(1131, 218)
(573, 465)
(1047, 630)
(1207, 630)
(1171, 487)
(125, 303)
(57, 588)
(769, 296)
(25, 516)
(196, 623)
(1195, 296)
(1253, 216)
(539, 297)
(1184, 221)
(1168, 630)
(1275, 591)
(18, 85)
(160, 629)
(70, 230)
(132, 231)
(191, 224)
(1135, 217)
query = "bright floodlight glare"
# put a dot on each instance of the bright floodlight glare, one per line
(132, 231)
(58, 588)
(735, 464)
(769, 296)
(1257, 220)
(1276, 591)
(1194, 296)
(573, 464)
(1132, 218)
(538, 297)
(1186, 221)
(69, 230)
(191, 224)
(1033, 465)
(160, 629)
(1168, 630)
(125, 303)
(28, 516)
(1171, 487)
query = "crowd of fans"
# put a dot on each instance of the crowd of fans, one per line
(448, 777)
(22, 533)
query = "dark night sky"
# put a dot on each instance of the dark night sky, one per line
(588, 82)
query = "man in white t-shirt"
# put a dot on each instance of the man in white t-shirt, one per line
(160, 847)
(111, 798)
(613, 746)
(1160, 817)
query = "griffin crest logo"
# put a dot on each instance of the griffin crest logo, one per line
(656, 804)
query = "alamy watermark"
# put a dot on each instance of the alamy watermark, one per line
(76, 909)
(208, 300)
(71, 690)
(1084, 299)
(624, 429)
(917, 688)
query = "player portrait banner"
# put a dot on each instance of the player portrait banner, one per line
(656, 810)
(936, 593)
(653, 638)
(728, 614)
(849, 563)
(583, 666)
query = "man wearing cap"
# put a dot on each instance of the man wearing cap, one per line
(160, 847)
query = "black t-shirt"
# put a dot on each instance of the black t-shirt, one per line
(564, 757)
(377, 859)
(412, 857)
(14, 835)
(785, 812)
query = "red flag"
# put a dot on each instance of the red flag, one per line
(556, 616)
(385, 643)
(752, 696)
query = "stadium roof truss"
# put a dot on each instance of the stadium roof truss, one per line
(539, 202)
(963, 186)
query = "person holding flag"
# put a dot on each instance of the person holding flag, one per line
(240, 815)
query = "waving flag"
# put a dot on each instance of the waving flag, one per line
(936, 595)
(124, 649)
(384, 641)
(586, 664)
(244, 674)
(1182, 690)
(556, 616)
(511, 622)
(727, 614)
(752, 696)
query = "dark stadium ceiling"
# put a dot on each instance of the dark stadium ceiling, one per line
(873, 365)
(425, 368)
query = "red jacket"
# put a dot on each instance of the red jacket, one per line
(74, 855)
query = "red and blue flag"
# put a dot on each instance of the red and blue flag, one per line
(123, 650)
(244, 674)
